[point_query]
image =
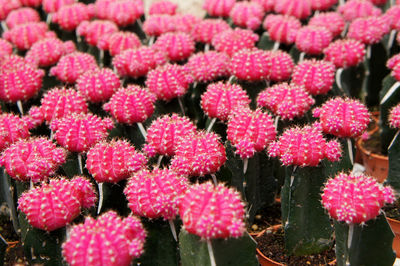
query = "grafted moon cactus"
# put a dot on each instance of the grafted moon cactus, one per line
(232, 41)
(206, 29)
(247, 14)
(208, 66)
(394, 116)
(119, 41)
(345, 53)
(13, 128)
(218, 8)
(282, 29)
(177, 46)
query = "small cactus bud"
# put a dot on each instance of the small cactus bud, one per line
(13, 128)
(300, 9)
(333, 21)
(355, 199)
(163, 7)
(95, 29)
(56, 204)
(68, 17)
(354, 9)
(394, 117)
(52, 6)
(345, 53)
(176, 46)
(313, 40)
(205, 30)
(232, 41)
(121, 239)
(247, 14)
(118, 42)
(368, 30)
(22, 15)
(208, 66)
(25, 35)
(218, 8)
(200, 206)
(282, 29)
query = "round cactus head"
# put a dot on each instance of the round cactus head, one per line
(394, 117)
(333, 21)
(163, 7)
(313, 40)
(247, 14)
(119, 41)
(206, 29)
(124, 12)
(345, 53)
(354, 9)
(300, 9)
(369, 30)
(208, 66)
(22, 15)
(355, 199)
(343, 117)
(304, 146)
(280, 65)
(6, 6)
(68, 17)
(177, 46)
(249, 64)
(94, 30)
(232, 41)
(281, 28)
(122, 239)
(51, 6)
(212, 211)
(13, 128)
(218, 8)
(157, 25)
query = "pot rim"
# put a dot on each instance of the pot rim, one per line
(369, 153)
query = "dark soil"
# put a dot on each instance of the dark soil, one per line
(271, 244)
(265, 218)
(393, 210)
(373, 144)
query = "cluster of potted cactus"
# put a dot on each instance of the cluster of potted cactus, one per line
(156, 139)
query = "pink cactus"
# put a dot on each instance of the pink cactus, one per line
(20, 83)
(394, 117)
(14, 62)
(368, 30)
(155, 194)
(358, 9)
(68, 17)
(313, 40)
(198, 154)
(205, 30)
(343, 117)
(208, 66)
(6, 6)
(13, 128)
(304, 146)
(113, 161)
(232, 41)
(250, 131)
(250, 64)
(300, 9)
(393, 61)
(333, 21)
(25, 35)
(93, 30)
(218, 8)
(169, 81)
(52, 6)
(98, 85)
(159, 24)
(136, 63)
(6, 49)
(286, 101)
(31, 3)
(125, 12)
(60, 102)
(22, 15)
(396, 72)
(118, 42)
(393, 14)
(131, 105)
(71, 66)
(164, 133)
(185, 22)
(101, 8)
(221, 99)
(247, 14)
(280, 65)
(177, 46)
(32, 159)
(345, 53)
(316, 76)
(55, 204)
(322, 5)
(122, 238)
(200, 206)
(79, 132)
(355, 199)
(378, 2)
(268, 5)
(47, 52)
(282, 29)
(164, 7)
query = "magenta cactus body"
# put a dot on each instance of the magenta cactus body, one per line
(316, 76)
(20, 83)
(52, 6)
(101, 8)
(169, 81)
(280, 65)
(312, 40)
(123, 238)
(220, 99)
(155, 194)
(71, 66)
(322, 4)
(218, 8)
(358, 9)
(286, 101)
(393, 61)
(304, 146)
(333, 21)
(113, 161)
(368, 30)
(25, 35)
(159, 24)
(31, 3)
(198, 154)
(205, 30)
(208, 66)
(14, 62)
(118, 42)
(125, 12)
(345, 53)
(22, 15)
(250, 64)
(343, 117)
(93, 30)
(394, 117)
(136, 63)
(6, 49)
(55, 204)
(47, 52)
(32, 159)
(6, 6)
(268, 5)
(393, 14)
(185, 22)
(232, 41)
(282, 29)
(247, 14)
(177, 46)
(68, 17)
(164, 133)
(355, 199)
(300, 9)
(79, 132)
(13, 128)
(212, 211)
(130, 105)
(98, 85)
(250, 131)
(163, 7)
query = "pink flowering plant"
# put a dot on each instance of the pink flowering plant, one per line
(155, 139)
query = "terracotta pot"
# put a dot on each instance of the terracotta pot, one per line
(395, 225)
(264, 260)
